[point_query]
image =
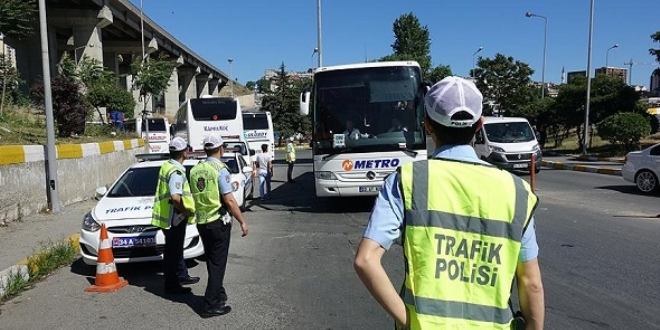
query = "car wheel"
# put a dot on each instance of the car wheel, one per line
(537, 170)
(646, 181)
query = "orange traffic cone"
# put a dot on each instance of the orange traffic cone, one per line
(107, 279)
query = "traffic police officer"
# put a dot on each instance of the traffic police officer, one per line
(215, 204)
(467, 229)
(173, 209)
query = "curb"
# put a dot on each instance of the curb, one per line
(581, 168)
(600, 159)
(297, 148)
(21, 267)
(18, 154)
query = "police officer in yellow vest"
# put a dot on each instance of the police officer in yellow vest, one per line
(467, 229)
(214, 205)
(172, 211)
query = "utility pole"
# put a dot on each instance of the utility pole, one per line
(318, 19)
(588, 102)
(51, 155)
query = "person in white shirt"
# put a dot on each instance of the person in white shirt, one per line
(265, 171)
(351, 132)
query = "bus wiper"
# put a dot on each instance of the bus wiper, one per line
(335, 152)
(407, 150)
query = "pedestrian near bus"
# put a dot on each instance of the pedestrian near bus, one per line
(264, 171)
(214, 206)
(467, 230)
(290, 159)
(173, 209)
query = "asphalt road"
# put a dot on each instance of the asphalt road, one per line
(599, 259)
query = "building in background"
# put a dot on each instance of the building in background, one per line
(612, 71)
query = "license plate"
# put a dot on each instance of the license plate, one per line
(523, 165)
(370, 189)
(137, 241)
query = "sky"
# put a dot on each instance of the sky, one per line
(262, 34)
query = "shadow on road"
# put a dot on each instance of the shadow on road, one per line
(626, 189)
(147, 275)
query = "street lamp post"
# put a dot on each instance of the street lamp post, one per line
(318, 22)
(545, 43)
(142, 29)
(231, 79)
(607, 55)
(588, 102)
(475, 53)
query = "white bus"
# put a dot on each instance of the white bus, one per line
(258, 130)
(197, 118)
(159, 132)
(367, 121)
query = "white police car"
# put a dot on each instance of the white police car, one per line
(125, 209)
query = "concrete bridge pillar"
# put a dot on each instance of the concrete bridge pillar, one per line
(172, 92)
(203, 84)
(188, 83)
(213, 86)
(87, 26)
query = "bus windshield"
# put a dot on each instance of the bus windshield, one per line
(368, 110)
(211, 109)
(255, 121)
(155, 125)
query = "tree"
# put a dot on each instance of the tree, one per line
(16, 17)
(624, 129)
(412, 42)
(263, 85)
(250, 85)
(506, 82)
(655, 52)
(9, 78)
(284, 106)
(152, 77)
(69, 107)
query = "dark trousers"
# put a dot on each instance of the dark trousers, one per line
(289, 172)
(215, 237)
(174, 267)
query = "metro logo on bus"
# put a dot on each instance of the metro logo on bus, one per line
(348, 164)
(255, 134)
(221, 128)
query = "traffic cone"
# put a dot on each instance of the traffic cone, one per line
(107, 279)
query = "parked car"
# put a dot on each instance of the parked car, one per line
(643, 169)
(125, 209)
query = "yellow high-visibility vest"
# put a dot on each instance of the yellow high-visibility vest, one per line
(462, 238)
(161, 215)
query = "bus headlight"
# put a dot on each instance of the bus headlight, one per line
(324, 175)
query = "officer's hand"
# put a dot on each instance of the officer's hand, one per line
(244, 229)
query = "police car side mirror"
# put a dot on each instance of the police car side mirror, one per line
(100, 192)
(247, 169)
(252, 152)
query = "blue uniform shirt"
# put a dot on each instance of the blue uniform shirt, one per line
(176, 179)
(224, 179)
(386, 219)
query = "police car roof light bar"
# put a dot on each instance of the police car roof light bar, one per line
(152, 157)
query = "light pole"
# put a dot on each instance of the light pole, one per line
(318, 22)
(316, 50)
(231, 79)
(588, 103)
(142, 29)
(545, 43)
(607, 55)
(475, 53)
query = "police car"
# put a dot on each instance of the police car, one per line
(125, 209)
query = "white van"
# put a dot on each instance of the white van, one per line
(159, 132)
(508, 143)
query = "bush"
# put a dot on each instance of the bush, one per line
(625, 129)
(69, 108)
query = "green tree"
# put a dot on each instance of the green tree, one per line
(284, 106)
(625, 129)
(250, 85)
(263, 85)
(655, 52)
(412, 42)
(505, 82)
(16, 17)
(151, 78)
(9, 79)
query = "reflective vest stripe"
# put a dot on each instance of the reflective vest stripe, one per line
(439, 219)
(455, 309)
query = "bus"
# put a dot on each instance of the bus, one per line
(198, 118)
(258, 130)
(366, 121)
(159, 132)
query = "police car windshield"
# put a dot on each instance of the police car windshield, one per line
(137, 182)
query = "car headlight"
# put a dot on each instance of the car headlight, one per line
(235, 185)
(495, 149)
(323, 175)
(536, 148)
(89, 224)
